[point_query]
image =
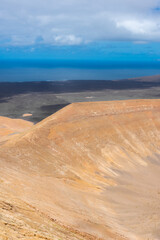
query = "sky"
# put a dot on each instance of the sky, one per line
(104, 30)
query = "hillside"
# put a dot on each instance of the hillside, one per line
(93, 168)
(9, 127)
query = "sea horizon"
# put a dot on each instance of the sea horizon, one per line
(22, 71)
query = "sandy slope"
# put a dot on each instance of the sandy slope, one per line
(9, 127)
(93, 167)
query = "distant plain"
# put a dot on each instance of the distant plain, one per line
(40, 99)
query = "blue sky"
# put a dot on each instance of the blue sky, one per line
(104, 30)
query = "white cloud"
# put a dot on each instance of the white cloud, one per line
(44, 20)
(141, 27)
(68, 40)
(76, 22)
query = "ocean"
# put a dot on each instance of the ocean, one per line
(19, 71)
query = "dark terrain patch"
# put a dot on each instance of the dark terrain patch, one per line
(42, 99)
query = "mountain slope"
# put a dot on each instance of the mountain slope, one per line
(93, 166)
(9, 127)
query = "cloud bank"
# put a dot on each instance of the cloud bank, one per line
(74, 22)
